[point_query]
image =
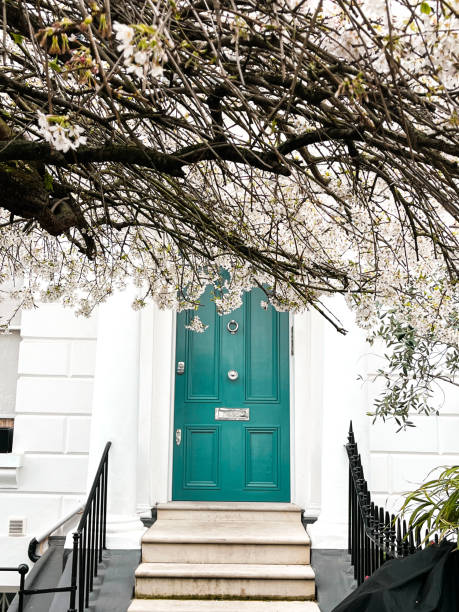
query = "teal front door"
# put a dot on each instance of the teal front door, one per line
(231, 426)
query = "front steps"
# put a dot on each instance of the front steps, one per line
(224, 580)
(233, 557)
(202, 605)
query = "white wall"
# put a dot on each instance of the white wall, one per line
(401, 461)
(53, 412)
(52, 421)
(344, 398)
(393, 462)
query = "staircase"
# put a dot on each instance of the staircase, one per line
(228, 557)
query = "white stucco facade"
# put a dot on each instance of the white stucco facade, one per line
(51, 427)
(82, 382)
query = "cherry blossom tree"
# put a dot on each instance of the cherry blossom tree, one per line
(308, 147)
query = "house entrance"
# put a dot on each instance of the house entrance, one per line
(231, 426)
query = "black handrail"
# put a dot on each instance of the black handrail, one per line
(89, 541)
(22, 569)
(374, 536)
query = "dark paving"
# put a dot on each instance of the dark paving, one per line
(334, 577)
(116, 587)
(113, 587)
(43, 575)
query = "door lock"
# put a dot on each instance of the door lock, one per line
(178, 436)
(180, 367)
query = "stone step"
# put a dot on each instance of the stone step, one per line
(255, 542)
(206, 605)
(229, 511)
(224, 580)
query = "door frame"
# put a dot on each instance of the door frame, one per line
(279, 325)
(157, 396)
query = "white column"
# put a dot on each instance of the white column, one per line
(162, 405)
(343, 398)
(115, 416)
(147, 350)
(306, 390)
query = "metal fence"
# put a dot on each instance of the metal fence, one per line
(89, 540)
(5, 600)
(374, 535)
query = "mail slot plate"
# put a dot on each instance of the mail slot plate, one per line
(232, 414)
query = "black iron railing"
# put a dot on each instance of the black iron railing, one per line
(374, 535)
(89, 540)
(23, 569)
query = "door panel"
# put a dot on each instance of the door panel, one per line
(233, 460)
(203, 359)
(202, 450)
(262, 458)
(261, 351)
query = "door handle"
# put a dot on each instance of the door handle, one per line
(233, 374)
(232, 326)
(178, 436)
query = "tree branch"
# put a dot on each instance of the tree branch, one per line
(149, 158)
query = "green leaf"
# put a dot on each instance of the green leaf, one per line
(48, 181)
(54, 65)
(425, 8)
(18, 38)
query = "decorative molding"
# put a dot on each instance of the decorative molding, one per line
(307, 407)
(124, 532)
(162, 406)
(312, 512)
(9, 470)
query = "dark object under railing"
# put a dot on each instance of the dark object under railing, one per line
(89, 540)
(374, 535)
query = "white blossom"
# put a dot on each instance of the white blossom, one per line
(142, 49)
(60, 133)
(331, 225)
(196, 325)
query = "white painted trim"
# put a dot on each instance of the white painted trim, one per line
(307, 411)
(144, 459)
(314, 412)
(305, 375)
(292, 364)
(10, 463)
(172, 406)
(71, 514)
(157, 389)
(161, 406)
